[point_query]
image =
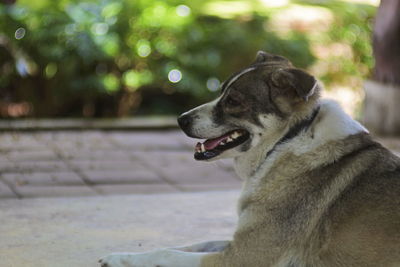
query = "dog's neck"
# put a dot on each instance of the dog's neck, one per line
(329, 123)
(303, 125)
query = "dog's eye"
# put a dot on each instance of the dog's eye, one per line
(232, 102)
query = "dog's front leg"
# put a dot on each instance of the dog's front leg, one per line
(186, 256)
(157, 258)
(209, 246)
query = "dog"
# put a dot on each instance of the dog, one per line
(317, 190)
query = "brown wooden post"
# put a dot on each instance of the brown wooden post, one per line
(382, 103)
(8, 2)
(386, 42)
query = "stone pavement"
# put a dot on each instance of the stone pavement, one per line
(95, 162)
(70, 197)
(89, 163)
(77, 231)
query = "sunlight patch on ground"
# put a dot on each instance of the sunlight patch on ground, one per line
(231, 9)
(302, 19)
(323, 51)
(274, 3)
(328, 56)
(299, 16)
(369, 2)
(227, 9)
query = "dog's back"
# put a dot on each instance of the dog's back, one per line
(343, 212)
(364, 221)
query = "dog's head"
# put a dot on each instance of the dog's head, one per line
(255, 103)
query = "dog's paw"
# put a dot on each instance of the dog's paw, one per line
(148, 259)
(156, 258)
(116, 260)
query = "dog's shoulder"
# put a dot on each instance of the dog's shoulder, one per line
(365, 213)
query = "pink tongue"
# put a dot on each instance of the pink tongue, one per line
(212, 143)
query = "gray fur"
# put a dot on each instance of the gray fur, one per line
(327, 197)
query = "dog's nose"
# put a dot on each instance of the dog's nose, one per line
(184, 121)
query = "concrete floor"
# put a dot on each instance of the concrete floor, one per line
(65, 232)
(89, 163)
(68, 197)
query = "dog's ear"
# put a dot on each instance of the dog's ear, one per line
(267, 57)
(299, 81)
(262, 57)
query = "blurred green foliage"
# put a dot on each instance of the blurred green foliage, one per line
(117, 58)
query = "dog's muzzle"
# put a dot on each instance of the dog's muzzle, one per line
(185, 121)
(212, 147)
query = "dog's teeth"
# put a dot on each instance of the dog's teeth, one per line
(235, 135)
(229, 139)
(203, 149)
(222, 143)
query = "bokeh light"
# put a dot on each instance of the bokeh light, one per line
(143, 48)
(100, 28)
(50, 70)
(183, 10)
(111, 83)
(174, 76)
(20, 33)
(213, 84)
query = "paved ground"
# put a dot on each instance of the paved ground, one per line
(76, 232)
(87, 163)
(69, 197)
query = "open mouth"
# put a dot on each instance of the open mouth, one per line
(213, 147)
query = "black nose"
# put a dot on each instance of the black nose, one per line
(184, 121)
